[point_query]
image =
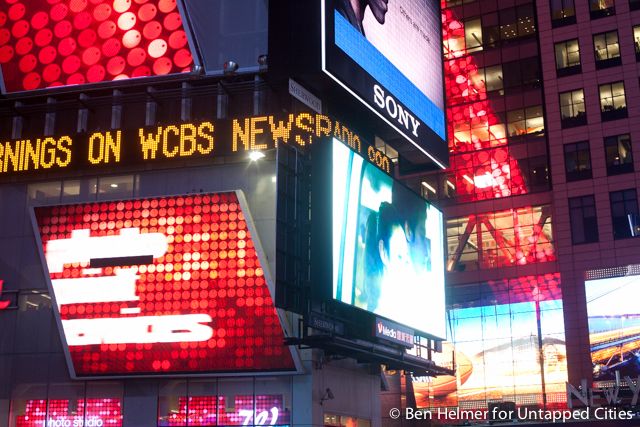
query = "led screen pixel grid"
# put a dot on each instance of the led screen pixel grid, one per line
(161, 285)
(49, 43)
(388, 255)
(397, 70)
(614, 326)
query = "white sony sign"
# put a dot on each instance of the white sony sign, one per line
(395, 110)
(303, 95)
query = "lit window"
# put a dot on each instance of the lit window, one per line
(473, 35)
(577, 161)
(601, 8)
(525, 121)
(563, 12)
(584, 222)
(572, 108)
(618, 154)
(636, 39)
(623, 203)
(568, 57)
(613, 104)
(606, 49)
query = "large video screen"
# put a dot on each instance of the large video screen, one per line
(506, 341)
(161, 285)
(389, 55)
(388, 254)
(614, 326)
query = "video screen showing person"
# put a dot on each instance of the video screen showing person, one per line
(404, 33)
(388, 255)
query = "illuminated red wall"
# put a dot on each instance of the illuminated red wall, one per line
(97, 413)
(485, 152)
(47, 43)
(204, 267)
(482, 163)
(216, 410)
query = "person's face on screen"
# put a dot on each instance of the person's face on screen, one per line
(379, 9)
(397, 258)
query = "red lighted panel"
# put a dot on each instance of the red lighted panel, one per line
(485, 154)
(98, 412)
(210, 267)
(215, 410)
(48, 43)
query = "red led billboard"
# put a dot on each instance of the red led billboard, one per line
(66, 413)
(161, 285)
(261, 410)
(48, 43)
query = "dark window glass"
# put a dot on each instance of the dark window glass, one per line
(451, 3)
(634, 4)
(572, 108)
(613, 104)
(623, 203)
(618, 154)
(606, 49)
(563, 12)
(517, 22)
(601, 8)
(568, 57)
(584, 222)
(577, 161)
(520, 75)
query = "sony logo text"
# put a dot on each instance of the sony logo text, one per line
(395, 110)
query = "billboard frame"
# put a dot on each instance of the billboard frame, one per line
(284, 323)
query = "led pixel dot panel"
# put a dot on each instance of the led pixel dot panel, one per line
(48, 43)
(161, 285)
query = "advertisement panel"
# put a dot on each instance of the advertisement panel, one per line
(614, 326)
(388, 251)
(45, 44)
(166, 285)
(507, 341)
(238, 410)
(388, 54)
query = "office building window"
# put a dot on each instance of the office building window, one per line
(623, 203)
(618, 154)
(473, 35)
(517, 22)
(601, 8)
(613, 104)
(489, 77)
(568, 57)
(525, 121)
(470, 41)
(634, 4)
(606, 49)
(577, 161)
(584, 222)
(572, 108)
(563, 12)
(636, 39)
